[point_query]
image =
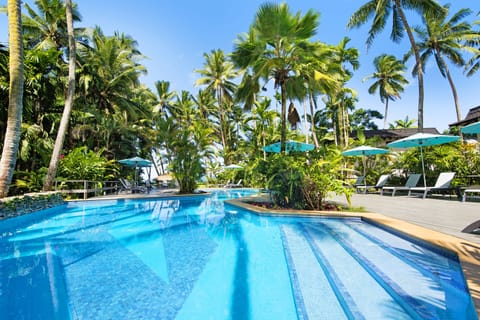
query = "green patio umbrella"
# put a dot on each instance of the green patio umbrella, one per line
(136, 162)
(364, 151)
(289, 147)
(422, 140)
(472, 128)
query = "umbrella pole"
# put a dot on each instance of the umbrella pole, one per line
(364, 158)
(423, 167)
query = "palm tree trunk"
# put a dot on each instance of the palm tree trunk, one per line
(386, 113)
(454, 90)
(312, 123)
(15, 97)
(63, 127)
(418, 61)
(283, 134)
(222, 123)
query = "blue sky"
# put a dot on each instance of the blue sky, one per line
(174, 35)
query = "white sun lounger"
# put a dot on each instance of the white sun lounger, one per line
(443, 184)
(380, 183)
(411, 183)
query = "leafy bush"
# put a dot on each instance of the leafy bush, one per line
(303, 181)
(83, 164)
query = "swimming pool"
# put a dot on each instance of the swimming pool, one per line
(199, 258)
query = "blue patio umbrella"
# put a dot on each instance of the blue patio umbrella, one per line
(136, 162)
(364, 151)
(472, 128)
(289, 147)
(422, 140)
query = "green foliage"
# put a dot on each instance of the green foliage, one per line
(83, 164)
(186, 164)
(323, 175)
(302, 181)
(28, 181)
(455, 157)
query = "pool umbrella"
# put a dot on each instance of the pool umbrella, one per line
(422, 140)
(136, 162)
(364, 151)
(290, 146)
(472, 128)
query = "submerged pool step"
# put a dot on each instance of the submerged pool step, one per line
(314, 296)
(385, 269)
(371, 300)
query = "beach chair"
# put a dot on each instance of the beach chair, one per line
(127, 186)
(442, 185)
(411, 183)
(380, 183)
(234, 185)
(470, 190)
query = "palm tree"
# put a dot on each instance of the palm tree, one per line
(381, 10)
(165, 96)
(217, 75)
(390, 81)
(442, 39)
(403, 124)
(62, 129)
(47, 28)
(274, 47)
(15, 105)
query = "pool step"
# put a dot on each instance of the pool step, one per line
(311, 286)
(395, 269)
(384, 270)
(366, 298)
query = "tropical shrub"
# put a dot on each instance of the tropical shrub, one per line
(83, 164)
(303, 181)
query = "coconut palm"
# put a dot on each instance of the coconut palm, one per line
(62, 129)
(165, 97)
(109, 69)
(217, 75)
(403, 124)
(389, 80)
(274, 47)
(381, 10)
(445, 39)
(15, 106)
(47, 27)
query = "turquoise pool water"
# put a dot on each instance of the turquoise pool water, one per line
(199, 258)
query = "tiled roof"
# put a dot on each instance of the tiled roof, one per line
(389, 134)
(473, 115)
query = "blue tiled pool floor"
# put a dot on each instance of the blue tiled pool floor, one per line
(201, 259)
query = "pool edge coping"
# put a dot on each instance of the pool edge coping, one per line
(468, 252)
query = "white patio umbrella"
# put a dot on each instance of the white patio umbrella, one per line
(422, 140)
(364, 151)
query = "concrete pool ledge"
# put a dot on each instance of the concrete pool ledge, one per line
(468, 252)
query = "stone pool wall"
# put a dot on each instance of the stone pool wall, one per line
(30, 202)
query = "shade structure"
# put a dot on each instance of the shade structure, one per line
(364, 151)
(472, 128)
(289, 147)
(423, 140)
(136, 162)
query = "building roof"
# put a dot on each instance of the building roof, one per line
(393, 134)
(473, 115)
